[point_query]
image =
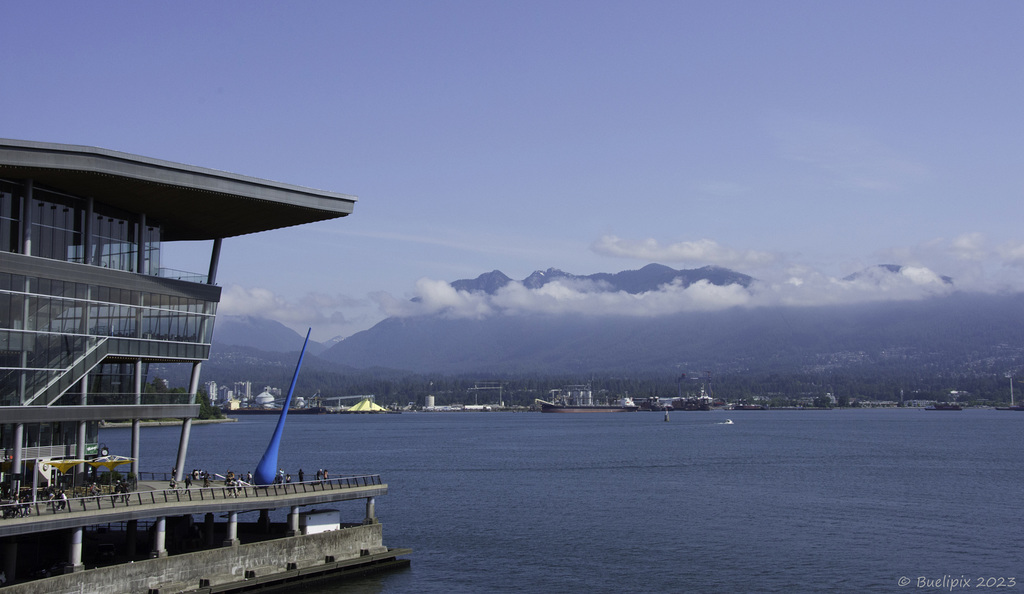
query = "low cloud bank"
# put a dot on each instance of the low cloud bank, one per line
(324, 313)
(801, 288)
(969, 257)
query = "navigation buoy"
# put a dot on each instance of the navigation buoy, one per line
(666, 416)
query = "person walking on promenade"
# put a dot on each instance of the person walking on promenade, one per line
(119, 491)
(301, 476)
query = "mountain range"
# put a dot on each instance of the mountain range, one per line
(950, 333)
(648, 278)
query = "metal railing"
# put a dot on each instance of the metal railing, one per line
(51, 507)
(192, 277)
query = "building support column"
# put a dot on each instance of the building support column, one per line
(136, 423)
(26, 218)
(75, 554)
(90, 205)
(82, 468)
(159, 538)
(138, 381)
(26, 317)
(19, 436)
(186, 425)
(179, 466)
(140, 246)
(136, 430)
(293, 522)
(232, 537)
(35, 479)
(211, 277)
(371, 514)
(83, 384)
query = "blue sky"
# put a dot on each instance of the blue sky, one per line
(794, 141)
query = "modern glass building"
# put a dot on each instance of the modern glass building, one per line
(85, 305)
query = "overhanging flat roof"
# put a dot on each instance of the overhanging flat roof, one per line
(189, 203)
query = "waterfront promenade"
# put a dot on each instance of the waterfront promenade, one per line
(150, 501)
(227, 553)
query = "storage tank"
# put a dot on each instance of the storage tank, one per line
(265, 400)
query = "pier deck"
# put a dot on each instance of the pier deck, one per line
(151, 503)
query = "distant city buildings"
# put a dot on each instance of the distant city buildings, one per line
(243, 391)
(211, 392)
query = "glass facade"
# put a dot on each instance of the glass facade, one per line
(46, 440)
(10, 218)
(61, 225)
(77, 315)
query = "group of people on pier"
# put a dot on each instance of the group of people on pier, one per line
(57, 499)
(234, 481)
(282, 477)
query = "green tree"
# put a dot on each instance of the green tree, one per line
(207, 410)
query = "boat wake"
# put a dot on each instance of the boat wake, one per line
(726, 422)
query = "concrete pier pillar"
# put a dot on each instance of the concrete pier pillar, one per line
(10, 559)
(232, 538)
(75, 552)
(130, 537)
(159, 538)
(208, 529)
(263, 523)
(371, 514)
(293, 522)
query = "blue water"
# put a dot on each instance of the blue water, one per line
(778, 501)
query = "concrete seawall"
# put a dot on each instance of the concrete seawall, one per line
(226, 568)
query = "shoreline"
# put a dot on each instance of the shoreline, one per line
(164, 423)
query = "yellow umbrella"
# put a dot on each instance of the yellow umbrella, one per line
(109, 461)
(64, 465)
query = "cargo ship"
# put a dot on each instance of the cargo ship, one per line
(747, 406)
(944, 406)
(626, 406)
(580, 399)
(313, 410)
